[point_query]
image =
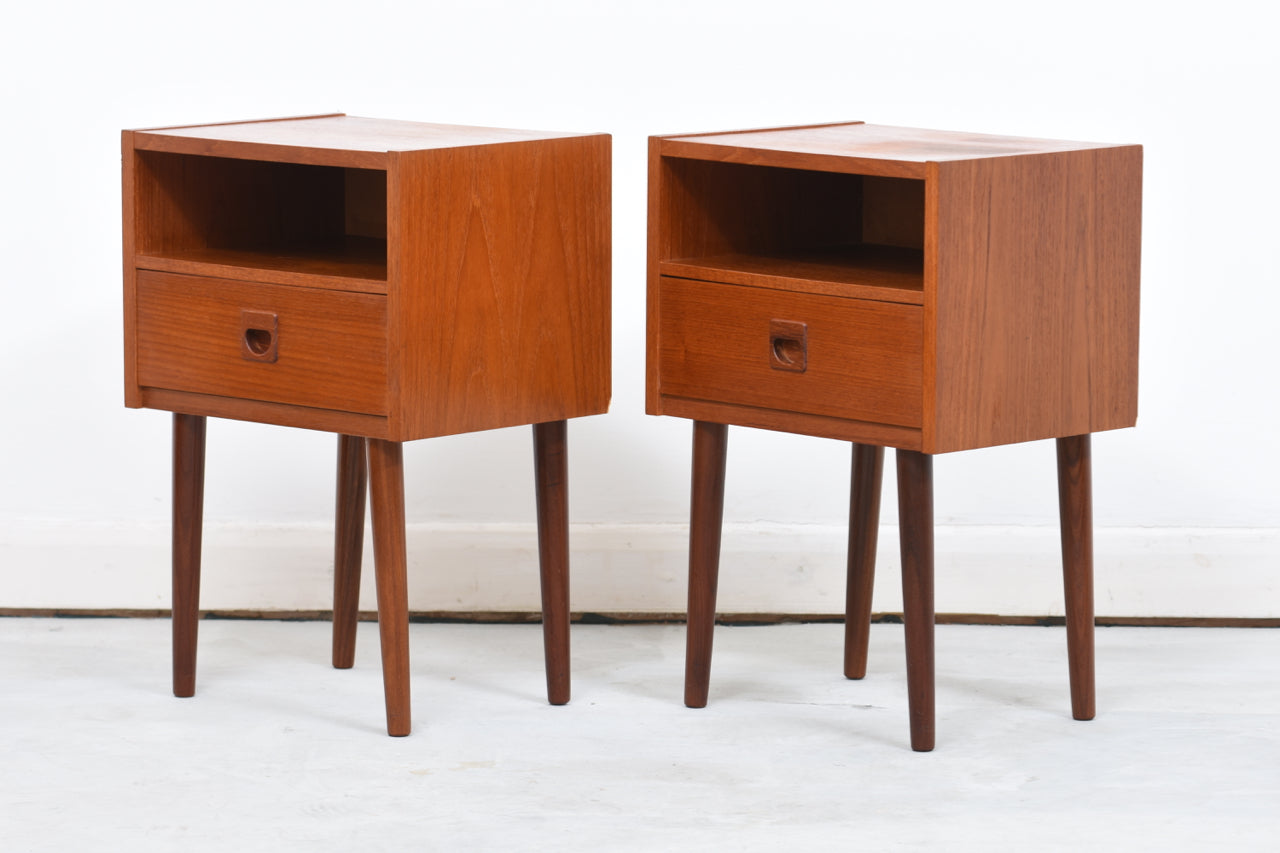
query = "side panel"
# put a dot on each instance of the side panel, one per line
(657, 248)
(1036, 297)
(128, 194)
(499, 285)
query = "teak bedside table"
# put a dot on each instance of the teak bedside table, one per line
(916, 289)
(384, 280)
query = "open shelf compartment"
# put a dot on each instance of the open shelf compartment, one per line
(323, 226)
(793, 229)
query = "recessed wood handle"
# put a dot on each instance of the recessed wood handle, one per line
(259, 336)
(788, 345)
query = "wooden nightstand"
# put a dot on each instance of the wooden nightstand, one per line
(383, 280)
(916, 289)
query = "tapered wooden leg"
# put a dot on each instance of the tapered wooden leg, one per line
(864, 524)
(348, 547)
(915, 520)
(188, 516)
(551, 483)
(386, 487)
(706, 516)
(1075, 503)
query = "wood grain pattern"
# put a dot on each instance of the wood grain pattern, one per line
(384, 280)
(863, 357)
(656, 250)
(329, 140)
(1028, 277)
(1075, 502)
(710, 208)
(188, 518)
(351, 265)
(510, 243)
(386, 491)
(348, 546)
(128, 194)
(551, 487)
(724, 151)
(257, 411)
(864, 528)
(1036, 298)
(706, 516)
(332, 350)
(854, 142)
(218, 202)
(1022, 285)
(840, 429)
(861, 272)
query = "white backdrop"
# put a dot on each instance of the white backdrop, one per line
(1186, 505)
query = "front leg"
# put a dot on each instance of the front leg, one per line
(188, 518)
(551, 485)
(706, 517)
(915, 524)
(386, 481)
(1075, 502)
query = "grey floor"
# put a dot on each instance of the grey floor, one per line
(278, 751)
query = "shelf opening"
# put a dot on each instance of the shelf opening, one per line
(289, 217)
(793, 227)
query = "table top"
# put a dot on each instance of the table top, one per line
(336, 138)
(882, 142)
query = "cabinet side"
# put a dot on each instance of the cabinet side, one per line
(653, 305)
(498, 285)
(1036, 297)
(128, 227)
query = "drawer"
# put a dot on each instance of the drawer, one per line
(799, 352)
(295, 345)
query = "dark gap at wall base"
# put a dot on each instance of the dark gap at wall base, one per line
(591, 618)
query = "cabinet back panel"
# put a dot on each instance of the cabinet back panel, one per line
(715, 208)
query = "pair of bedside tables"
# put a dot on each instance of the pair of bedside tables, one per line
(391, 281)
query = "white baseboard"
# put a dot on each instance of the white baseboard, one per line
(1009, 571)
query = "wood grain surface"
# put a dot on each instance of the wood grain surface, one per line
(863, 356)
(499, 285)
(1027, 271)
(384, 280)
(332, 140)
(332, 347)
(1035, 305)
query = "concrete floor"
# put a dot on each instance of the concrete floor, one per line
(278, 751)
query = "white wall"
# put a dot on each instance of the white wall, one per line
(1186, 505)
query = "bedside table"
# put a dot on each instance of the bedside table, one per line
(383, 280)
(922, 290)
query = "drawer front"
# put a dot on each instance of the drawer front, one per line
(293, 345)
(796, 352)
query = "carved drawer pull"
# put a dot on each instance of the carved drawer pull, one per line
(788, 345)
(259, 336)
